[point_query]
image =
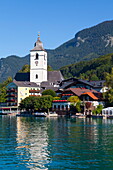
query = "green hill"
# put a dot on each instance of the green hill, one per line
(10, 65)
(87, 44)
(94, 69)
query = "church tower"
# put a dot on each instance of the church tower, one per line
(38, 63)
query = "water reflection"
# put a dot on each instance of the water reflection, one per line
(32, 135)
(58, 143)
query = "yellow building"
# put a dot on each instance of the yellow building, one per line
(19, 90)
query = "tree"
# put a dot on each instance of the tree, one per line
(25, 69)
(109, 79)
(3, 89)
(28, 103)
(94, 77)
(44, 102)
(49, 92)
(98, 110)
(78, 107)
(74, 100)
(109, 83)
(33, 103)
(49, 68)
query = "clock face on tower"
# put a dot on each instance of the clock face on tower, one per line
(36, 62)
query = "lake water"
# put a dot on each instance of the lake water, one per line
(55, 143)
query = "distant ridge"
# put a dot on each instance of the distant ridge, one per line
(87, 44)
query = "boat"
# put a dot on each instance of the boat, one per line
(36, 114)
(40, 114)
(52, 114)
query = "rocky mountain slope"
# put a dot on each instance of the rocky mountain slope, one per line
(87, 44)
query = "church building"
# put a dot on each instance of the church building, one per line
(38, 80)
(38, 63)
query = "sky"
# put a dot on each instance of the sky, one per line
(57, 21)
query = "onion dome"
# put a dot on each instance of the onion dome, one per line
(38, 45)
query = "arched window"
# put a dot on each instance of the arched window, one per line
(36, 76)
(37, 56)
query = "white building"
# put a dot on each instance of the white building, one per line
(38, 63)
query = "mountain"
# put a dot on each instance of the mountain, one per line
(94, 69)
(10, 65)
(87, 44)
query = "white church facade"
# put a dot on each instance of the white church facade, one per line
(38, 63)
(34, 82)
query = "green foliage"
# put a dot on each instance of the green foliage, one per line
(95, 69)
(109, 83)
(56, 98)
(73, 99)
(109, 79)
(44, 102)
(98, 110)
(32, 103)
(3, 89)
(49, 92)
(86, 45)
(28, 103)
(11, 65)
(49, 68)
(78, 107)
(25, 69)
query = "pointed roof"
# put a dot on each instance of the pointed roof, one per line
(38, 45)
(79, 91)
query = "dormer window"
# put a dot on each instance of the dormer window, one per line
(37, 56)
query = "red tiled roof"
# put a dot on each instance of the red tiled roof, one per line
(91, 95)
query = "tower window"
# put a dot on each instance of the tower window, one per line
(36, 76)
(37, 56)
(44, 57)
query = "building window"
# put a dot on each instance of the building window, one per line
(25, 88)
(58, 107)
(37, 56)
(54, 107)
(44, 57)
(66, 107)
(62, 107)
(25, 93)
(36, 76)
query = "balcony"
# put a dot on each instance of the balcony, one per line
(12, 100)
(11, 95)
(34, 91)
(12, 90)
(67, 94)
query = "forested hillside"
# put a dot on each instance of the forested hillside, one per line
(9, 66)
(94, 69)
(87, 44)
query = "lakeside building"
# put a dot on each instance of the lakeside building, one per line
(18, 90)
(39, 79)
(85, 90)
(35, 82)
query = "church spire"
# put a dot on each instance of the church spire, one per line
(38, 35)
(38, 45)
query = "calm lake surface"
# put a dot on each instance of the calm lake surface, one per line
(55, 143)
